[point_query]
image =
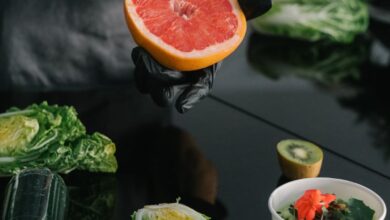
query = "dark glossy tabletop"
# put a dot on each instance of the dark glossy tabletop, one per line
(220, 157)
(347, 112)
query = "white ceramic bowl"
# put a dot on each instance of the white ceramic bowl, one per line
(289, 192)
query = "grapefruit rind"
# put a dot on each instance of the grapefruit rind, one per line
(173, 58)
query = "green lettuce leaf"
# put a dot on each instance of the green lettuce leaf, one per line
(358, 210)
(51, 136)
(93, 153)
(96, 153)
(315, 20)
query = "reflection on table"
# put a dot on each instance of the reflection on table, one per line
(158, 162)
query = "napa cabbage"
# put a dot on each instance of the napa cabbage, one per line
(313, 20)
(51, 136)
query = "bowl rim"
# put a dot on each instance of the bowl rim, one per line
(374, 194)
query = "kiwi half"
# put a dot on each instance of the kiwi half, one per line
(299, 159)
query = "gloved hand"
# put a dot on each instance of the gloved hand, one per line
(167, 86)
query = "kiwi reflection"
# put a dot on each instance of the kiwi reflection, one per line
(167, 164)
(323, 62)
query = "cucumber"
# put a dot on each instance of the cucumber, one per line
(35, 194)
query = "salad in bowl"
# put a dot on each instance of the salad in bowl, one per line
(325, 199)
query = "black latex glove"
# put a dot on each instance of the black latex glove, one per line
(167, 86)
(254, 8)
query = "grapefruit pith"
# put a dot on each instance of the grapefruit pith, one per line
(186, 34)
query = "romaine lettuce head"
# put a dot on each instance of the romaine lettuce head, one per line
(51, 136)
(313, 20)
(171, 211)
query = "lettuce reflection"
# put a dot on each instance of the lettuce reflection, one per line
(92, 196)
(360, 68)
(323, 62)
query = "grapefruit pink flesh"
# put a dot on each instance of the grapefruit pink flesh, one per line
(186, 34)
(193, 25)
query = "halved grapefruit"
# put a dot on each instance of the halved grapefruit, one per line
(186, 34)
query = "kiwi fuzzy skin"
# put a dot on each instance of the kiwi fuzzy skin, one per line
(295, 171)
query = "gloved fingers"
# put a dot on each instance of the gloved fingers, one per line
(195, 92)
(155, 70)
(160, 92)
(168, 76)
(135, 54)
(209, 73)
(148, 75)
(191, 95)
(254, 8)
(204, 75)
(164, 84)
(213, 69)
(141, 78)
(161, 73)
(162, 95)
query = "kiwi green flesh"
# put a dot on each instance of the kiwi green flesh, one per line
(301, 152)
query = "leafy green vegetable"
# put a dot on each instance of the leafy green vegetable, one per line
(358, 210)
(51, 136)
(323, 62)
(94, 153)
(315, 20)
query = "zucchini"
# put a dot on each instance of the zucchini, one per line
(35, 194)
